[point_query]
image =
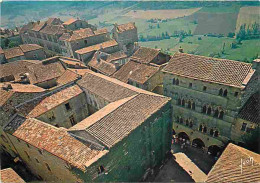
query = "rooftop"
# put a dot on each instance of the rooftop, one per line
(58, 142)
(29, 47)
(125, 27)
(67, 77)
(145, 55)
(96, 47)
(37, 26)
(53, 29)
(221, 71)
(13, 52)
(70, 21)
(228, 167)
(251, 110)
(8, 175)
(134, 71)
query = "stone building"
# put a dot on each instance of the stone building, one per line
(144, 69)
(23, 52)
(85, 54)
(74, 24)
(72, 41)
(101, 147)
(207, 95)
(236, 164)
(8, 175)
(126, 35)
(107, 64)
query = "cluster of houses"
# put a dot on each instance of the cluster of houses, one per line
(105, 109)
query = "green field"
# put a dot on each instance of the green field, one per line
(209, 46)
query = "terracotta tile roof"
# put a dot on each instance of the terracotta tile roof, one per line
(134, 71)
(26, 27)
(100, 31)
(96, 47)
(65, 36)
(5, 96)
(13, 52)
(29, 47)
(44, 72)
(71, 61)
(24, 88)
(14, 68)
(41, 106)
(38, 26)
(228, 167)
(81, 72)
(145, 55)
(67, 77)
(8, 175)
(81, 34)
(53, 29)
(125, 118)
(251, 110)
(222, 71)
(108, 88)
(125, 27)
(70, 21)
(58, 142)
(116, 56)
(52, 21)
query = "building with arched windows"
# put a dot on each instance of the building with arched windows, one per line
(211, 93)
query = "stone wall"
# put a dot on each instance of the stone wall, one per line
(35, 55)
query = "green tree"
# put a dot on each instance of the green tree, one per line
(231, 34)
(252, 140)
(13, 44)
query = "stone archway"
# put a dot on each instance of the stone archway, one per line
(213, 150)
(183, 135)
(198, 143)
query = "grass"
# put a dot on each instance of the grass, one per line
(209, 46)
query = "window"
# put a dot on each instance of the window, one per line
(85, 41)
(205, 129)
(189, 104)
(51, 116)
(216, 133)
(67, 105)
(27, 155)
(193, 105)
(204, 109)
(48, 167)
(209, 110)
(204, 88)
(190, 85)
(243, 128)
(173, 81)
(221, 115)
(35, 56)
(183, 102)
(220, 92)
(101, 169)
(225, 93)
(177, 82)
(178, 119)
(200, 128)
(72, 120)
(179, 101)
(216, 113)
(211, 132)
(191, 124)
(37, 160)
(4, 139)
(236, 94)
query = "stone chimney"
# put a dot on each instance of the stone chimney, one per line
(181, 49)
(116, 65)
(98, 56)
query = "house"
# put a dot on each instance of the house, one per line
(236, 164)
(207, 95)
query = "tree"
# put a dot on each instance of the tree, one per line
(252, 140)
(231, 34)
(13, 44)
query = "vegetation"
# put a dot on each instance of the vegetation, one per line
(252, 140)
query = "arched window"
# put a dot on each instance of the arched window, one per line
(221, 114)
(189, 104)
(209, 110)
(205, 129)
(193, 105)
(173, 81)
(211, 132)
(179, 101)
(200, 128)
(183, 102)
(177, 81)
(225, 93)
(187, 122)
(191, 124)
(216, 113)
(216, 133)
(204, 109)
(220, 92)
(181, 120)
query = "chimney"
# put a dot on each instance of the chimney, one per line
(98, 56)
(116, 65)
(7, 86)
(181, 49)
